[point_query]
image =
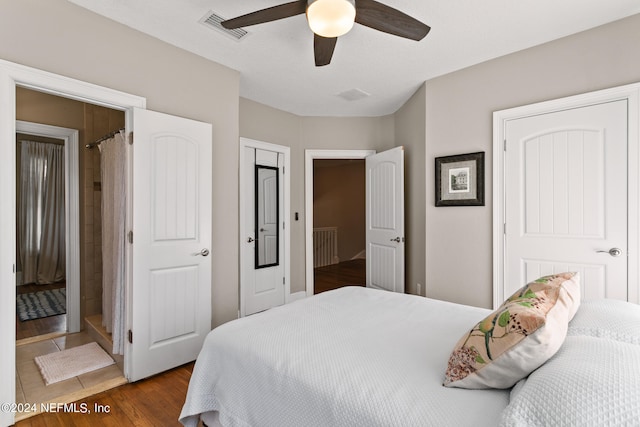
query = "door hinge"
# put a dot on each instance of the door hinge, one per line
(130, 236)
(504, 146)
(131, 138)
(130, 337)
(283, 282)
(504, 228)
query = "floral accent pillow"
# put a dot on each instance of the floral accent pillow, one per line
(527, 329)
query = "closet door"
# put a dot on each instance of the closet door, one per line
(170, 303)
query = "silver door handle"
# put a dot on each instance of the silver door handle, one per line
(250, 239)
(203, 252)
(614, 252)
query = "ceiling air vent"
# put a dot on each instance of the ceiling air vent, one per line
(213, 20)
(354, 95)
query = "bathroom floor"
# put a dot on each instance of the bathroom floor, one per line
(31, 389)
(45, 325)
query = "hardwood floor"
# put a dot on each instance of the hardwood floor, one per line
(335, 276)
(156, 401)
(46, 325)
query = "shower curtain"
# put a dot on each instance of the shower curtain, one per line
(113, 175)
(41, 213)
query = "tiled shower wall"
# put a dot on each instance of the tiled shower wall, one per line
(98, 121)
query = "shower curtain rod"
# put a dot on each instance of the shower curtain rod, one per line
(107, 136)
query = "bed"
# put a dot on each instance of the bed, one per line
(364, 357)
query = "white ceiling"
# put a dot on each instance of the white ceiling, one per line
(276, 62)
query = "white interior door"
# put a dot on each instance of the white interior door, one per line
(170, 304)
(385, 220)
(566, 198)
(263, 262)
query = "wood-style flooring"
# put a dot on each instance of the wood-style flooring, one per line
(348, 273)
(44, 326)
(156, 401)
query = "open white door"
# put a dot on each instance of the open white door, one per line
(385, 220)
(170, 299)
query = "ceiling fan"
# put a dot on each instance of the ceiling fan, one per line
(329, 19)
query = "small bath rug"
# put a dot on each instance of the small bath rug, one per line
(36, 305)
(65, 364)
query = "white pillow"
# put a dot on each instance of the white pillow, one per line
(590, 382)
(521, 335)
(607, 318)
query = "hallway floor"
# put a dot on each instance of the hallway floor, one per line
(347, 273)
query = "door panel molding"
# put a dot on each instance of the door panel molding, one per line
(630, 93)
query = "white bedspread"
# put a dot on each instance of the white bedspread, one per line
(350, 357)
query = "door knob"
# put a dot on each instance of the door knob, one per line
(614, 252)
(397, 240)
(203, 252)
(250, 239)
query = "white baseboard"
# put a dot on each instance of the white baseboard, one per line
(296, 296)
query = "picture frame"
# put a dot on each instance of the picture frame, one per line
(460, 180)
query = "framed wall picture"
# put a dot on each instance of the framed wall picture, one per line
(460, 180)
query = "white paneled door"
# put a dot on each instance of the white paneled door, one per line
(385, 220)
(263, 262)
(171, 264)
(566, 198)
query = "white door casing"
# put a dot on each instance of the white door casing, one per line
(559, 216)
(566, 198)
(171, 268)
(72, 210)
(385, 240)
(12, 75)
(269, 286)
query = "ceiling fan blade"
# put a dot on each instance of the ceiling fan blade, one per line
(267, 15)
(323, 49)
(378, 16)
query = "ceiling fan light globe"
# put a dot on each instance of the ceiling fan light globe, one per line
(331, 18)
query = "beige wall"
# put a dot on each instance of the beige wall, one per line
(410, 132)
(459, 109)
(263, 123)
(65, 39)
